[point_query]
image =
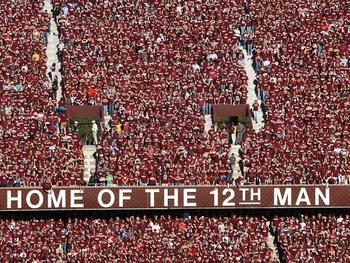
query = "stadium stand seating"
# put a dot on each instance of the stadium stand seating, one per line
(165, 238)
(32, 149)
(157, 68)
(320, 238)
(32, 240)
(302, 60)
(135, 239)
(170, 239)
(160, 64)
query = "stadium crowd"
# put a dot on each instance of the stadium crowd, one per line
(157, 68)
(32, 240)
(301, 56)
(316, 238)
(32, 149)
(161, 65)
(137, 239)
(165, 238)
(180, 63)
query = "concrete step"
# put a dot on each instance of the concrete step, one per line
(247, 65)
(270, 242)
(90, 164)
(89, 157)
(89, 154)
(89, 160)
(51, 49)
(90, 147)
(208, 123)
(235, 146)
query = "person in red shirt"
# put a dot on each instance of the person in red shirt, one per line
(255, 109)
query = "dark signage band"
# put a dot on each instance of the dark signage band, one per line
(177, 197)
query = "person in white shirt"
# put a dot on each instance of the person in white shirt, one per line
(196, 67)
(60, 48)
(155, 227)
(94, 131)
(221, 227)
(65, 10)
(212, 57)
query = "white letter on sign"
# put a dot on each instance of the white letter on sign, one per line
(111, 198)
(151, 193)
(60, 200)
(40, 197)
(257, 194)
(74, 198)
(123, 197)
(187, 197)
(215, 193)
(319, 195)
(17, 199)
(244, 191)
(303, 197)
(174, 197)
(279, 200)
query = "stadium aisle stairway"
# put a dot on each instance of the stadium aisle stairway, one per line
(51, 50)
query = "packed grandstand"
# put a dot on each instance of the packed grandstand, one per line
(160, 72)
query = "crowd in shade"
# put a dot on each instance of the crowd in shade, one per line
(316, 238)
(169, 238)
(32, 240)
(32, 148)
(137, 239)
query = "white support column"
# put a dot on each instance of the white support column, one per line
(89, 161)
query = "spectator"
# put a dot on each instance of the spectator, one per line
(255, 110)
(232, 163)
(94, 130)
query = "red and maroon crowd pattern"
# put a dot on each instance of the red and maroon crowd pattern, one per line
(166, 238)
(155, 69)
(159, 65)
